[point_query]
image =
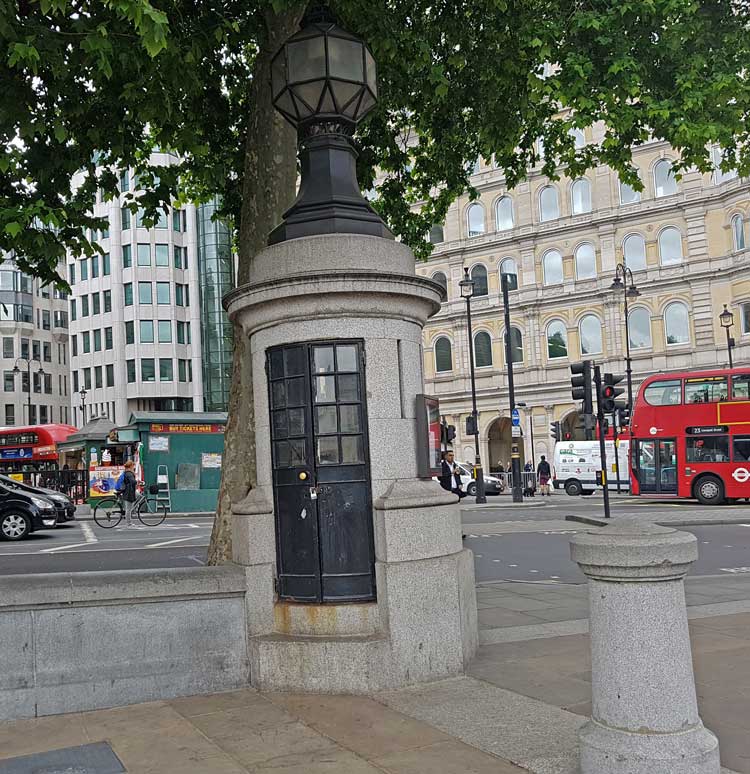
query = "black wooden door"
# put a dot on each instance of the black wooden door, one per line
(321, 475)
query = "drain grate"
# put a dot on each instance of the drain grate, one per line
(97, 758)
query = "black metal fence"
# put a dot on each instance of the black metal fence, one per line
(74, 483)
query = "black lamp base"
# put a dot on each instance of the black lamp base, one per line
(329, 200)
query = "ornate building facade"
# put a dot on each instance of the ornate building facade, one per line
(686, 242)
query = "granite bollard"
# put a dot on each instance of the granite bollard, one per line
(644, 711)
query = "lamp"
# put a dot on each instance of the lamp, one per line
(324, 82)
(466, 285)
(726, 318)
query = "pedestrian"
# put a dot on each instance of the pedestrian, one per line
(126, 488)
(450, 478)
(544, 473)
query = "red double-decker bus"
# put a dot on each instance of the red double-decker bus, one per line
(31, 448)
(690, 436)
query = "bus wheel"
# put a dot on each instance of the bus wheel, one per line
(709, 490)
(573, 488)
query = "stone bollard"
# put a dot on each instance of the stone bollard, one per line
(644, 710)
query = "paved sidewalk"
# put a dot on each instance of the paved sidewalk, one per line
(244, 732)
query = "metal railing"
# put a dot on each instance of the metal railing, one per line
(74, 483)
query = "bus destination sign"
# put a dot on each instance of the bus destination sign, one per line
(707, 429)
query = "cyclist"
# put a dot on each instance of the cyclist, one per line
(127, 492)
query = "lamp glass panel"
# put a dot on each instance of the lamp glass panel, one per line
(345, 59)
(310, 92)
(344, 93)
(307, 59)
(285, 104)
(372, 73)
(368, 101)
(327, 105)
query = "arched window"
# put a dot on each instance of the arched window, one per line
(628, 195)
(516, 345)
(549, 208)
(664, 182)
(670, 246)
(585, 258)
(508, 266)
(579, 138)
(677, 323)
(580, 194)
(479, 276)
(482, 349)
(591, 335)
(738, 232)
(436, 234)
(440, 278)
(475, 218)
(504, 213)
(443, 355)
(552, 266)
(634, 252)
(639, 326)
(557, 340)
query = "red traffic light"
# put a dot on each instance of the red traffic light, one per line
(608, 391)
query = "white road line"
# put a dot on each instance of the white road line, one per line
(61, 548)
(171, 542)
(88, 533)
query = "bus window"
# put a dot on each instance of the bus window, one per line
(711, 448)
(709, 390)
(741, 386)
(741, 448)
(663, 393)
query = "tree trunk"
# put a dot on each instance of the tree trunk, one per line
(270, 175)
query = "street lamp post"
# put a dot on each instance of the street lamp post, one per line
(515, 456)
(726, 318)
(624, 281)
(467, 291)
(17, 370)
(82, 393)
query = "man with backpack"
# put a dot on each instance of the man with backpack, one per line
(125, 487)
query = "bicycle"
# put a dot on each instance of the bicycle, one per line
(110, 511)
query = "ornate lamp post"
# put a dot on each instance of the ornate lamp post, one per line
(624, 281)
(324, 82)
(467, 291)
(726, 318)
(17, 370)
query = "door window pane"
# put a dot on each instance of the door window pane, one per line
(296, 419)
(349, 419)
(295, 392)
(348, 388)
(346, 357)
(323, 360)
(325, 389)
(352, 449)
(295, 362)
(325, 419)
(327, 450)
(278, 394)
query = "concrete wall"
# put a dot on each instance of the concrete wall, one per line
(80, 641)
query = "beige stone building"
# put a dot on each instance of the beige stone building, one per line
(686, 242)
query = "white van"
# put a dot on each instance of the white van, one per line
(576, 462)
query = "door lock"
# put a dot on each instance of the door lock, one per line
(313, 492)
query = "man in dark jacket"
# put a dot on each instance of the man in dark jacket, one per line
(544, 472)
(450, 477)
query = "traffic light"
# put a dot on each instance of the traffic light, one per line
(610, 392)
(623, 414)
(581, 385)
(447, 433)
(471, 425)
(554, 431)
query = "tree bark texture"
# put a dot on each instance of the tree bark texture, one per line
(270, 174)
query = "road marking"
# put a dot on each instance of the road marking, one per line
(735, 569)
(171, 542)
(496, 560)
(512, 565)
(533, 570)
(61, 548)
(88, 533)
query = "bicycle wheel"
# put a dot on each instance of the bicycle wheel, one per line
(151, 512)
(108, 513)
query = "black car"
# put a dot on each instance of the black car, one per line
(64, 506)
(21, 513)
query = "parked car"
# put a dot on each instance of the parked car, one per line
(64, 506)
(21, 513)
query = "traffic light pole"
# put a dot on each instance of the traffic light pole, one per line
(515, 456)
(478, 472)
(617, 454)
(602, 444)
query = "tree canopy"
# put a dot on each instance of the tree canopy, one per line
(92, 85)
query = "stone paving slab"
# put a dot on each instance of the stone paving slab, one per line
(96, 758)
